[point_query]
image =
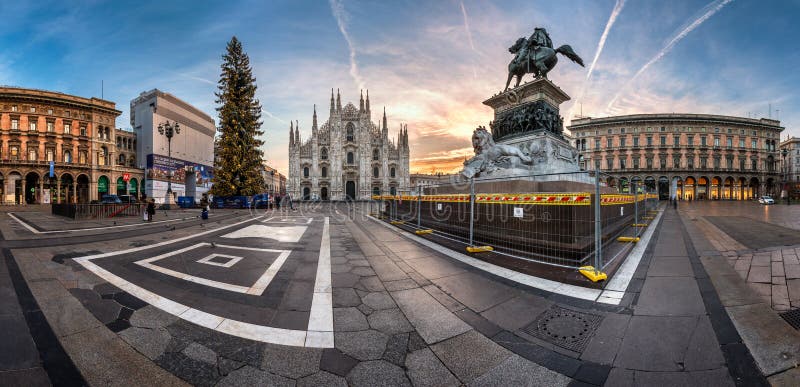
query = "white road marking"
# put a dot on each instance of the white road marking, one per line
(290, 234)
(35, 231)
(257, 289)
(311, 338)
(320, 320)
(209, 260)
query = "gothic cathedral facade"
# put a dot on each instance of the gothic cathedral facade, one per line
(349, 157)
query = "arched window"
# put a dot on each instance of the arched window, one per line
(376, 155)
(324, 172)
(350, 158)
(121, 160)
(375, 172)
(323, 154)
(67, 157)
(391, 172)
(350, 132)
(305, 171)
(132, 161)
(14, 152)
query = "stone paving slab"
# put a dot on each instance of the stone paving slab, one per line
(432, 320)
(670, 296)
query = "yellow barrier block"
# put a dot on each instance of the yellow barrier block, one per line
(479, 249)
(648, 217)
(628, 239)
(592, 274)
(396, 222)
(639, 225)
(423, 232)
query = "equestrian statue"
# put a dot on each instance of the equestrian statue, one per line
(536, 56)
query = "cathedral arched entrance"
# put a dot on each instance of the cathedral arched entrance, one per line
(350, 190)
(323, 193)
(306, 193)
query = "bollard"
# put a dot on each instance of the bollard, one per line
(419, 207)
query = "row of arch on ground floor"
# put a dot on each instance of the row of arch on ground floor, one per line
(36, 187)
(349, 192)
(696, 187)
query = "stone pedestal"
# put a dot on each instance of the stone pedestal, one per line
(532, 107)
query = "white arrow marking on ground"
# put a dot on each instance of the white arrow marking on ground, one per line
(281, 234)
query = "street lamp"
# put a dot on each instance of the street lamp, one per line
(784, 153)
(169, 130)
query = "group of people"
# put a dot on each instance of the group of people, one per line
(286, 200)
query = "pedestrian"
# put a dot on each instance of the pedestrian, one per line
(675, 204)
(289, 198)
(205, 207)
(277, 202)
(151, 209)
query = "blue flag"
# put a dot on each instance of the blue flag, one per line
(52, 169)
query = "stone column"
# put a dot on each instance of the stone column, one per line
(40, 194)
(24, 190)
(74, 192)
(58, 190)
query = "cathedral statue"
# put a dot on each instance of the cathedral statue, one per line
(536, 56)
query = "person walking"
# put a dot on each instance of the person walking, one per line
(151, 209)
(278, 202)
(289, 199)
(205, 207)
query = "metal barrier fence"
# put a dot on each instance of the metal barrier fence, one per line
(98, 211)
(558, 219)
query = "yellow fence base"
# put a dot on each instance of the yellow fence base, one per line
(592, 274)
(423, 232)
(648, 218)
(396, 222)
(628, 239)
(479, 249)
(639, 225)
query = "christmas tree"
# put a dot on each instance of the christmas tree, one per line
(237, 170)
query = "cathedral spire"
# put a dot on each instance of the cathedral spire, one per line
(333, 106)
(361, 104)
(384, 118)
(314, 124)
(291, 134)
(338, 101)
(367, 101)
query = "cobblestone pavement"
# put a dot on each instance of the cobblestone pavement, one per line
(757, 242)
(401, 313)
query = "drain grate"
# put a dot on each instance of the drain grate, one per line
(792, 317)
(564, 327)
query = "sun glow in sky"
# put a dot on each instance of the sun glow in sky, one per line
(430, 63)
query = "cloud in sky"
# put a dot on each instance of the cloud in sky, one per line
(430, 63)
(707, 13)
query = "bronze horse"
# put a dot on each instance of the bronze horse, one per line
(538, 62)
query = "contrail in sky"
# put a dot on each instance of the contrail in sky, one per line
(600, 45)
(710, 10)
(337, 8)
(469, 35)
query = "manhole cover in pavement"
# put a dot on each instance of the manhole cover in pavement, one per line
(792, 317)
(565, 328)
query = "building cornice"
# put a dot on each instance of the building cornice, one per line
(18, 93)
(671, 118)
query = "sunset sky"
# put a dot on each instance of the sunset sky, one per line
(431, 63)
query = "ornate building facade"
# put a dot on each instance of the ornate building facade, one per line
(349, 157)
(691, 156)
(58, 148)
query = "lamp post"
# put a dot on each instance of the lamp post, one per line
(784, 153)
(169, 130)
